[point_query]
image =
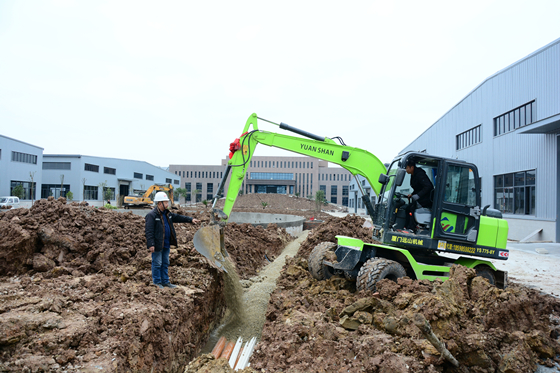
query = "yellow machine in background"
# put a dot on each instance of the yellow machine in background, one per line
(145, 200)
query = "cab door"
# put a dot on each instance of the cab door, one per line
(458, 205)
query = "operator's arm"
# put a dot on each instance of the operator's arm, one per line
(177, 218)
(149, 230)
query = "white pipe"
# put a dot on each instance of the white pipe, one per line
(242, 357)
(233, 357)
(246, 355)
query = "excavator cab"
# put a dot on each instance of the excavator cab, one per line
(453, 221)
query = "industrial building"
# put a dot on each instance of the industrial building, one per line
(286, 175)
(20, 164)
(509, 126)
(85, 176)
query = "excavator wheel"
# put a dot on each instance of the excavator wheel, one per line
(375, 270)
(487, 273)
(318, 254)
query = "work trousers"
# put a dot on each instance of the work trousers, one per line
(160, 265)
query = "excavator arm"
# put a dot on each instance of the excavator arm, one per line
(209, 240)
(356, 161)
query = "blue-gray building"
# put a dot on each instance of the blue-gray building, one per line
(509, 126)
(20, 164)
(85, 176)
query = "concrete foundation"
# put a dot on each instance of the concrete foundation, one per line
(291, 223)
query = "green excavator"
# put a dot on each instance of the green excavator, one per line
(455, 230)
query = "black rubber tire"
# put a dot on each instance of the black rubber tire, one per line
(487, 273)
(377, 269)
(318, 270)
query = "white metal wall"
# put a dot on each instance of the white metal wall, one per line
(535, 77)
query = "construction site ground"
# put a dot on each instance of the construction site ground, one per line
(76, 295)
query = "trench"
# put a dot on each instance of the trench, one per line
(247, 300)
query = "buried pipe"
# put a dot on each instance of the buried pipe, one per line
(226, 353)
(235, 354)
(217, 351)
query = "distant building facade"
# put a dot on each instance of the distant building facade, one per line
(19, 163)
(88, 177)
(509, 126)
(285, 175)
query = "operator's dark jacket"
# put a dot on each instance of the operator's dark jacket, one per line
(155, 228)
(422, 186)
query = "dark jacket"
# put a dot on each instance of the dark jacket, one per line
(155, 229)
(422, 186)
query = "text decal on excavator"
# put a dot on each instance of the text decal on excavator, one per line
(311, 148)
(410, 241)
(443, 245)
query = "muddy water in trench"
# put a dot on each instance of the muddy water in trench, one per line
(246, 308)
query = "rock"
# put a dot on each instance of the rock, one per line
(41, 263)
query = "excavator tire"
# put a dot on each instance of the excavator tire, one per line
(318, 270)
(487, 273)
(377, 269)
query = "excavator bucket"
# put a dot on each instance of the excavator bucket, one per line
(209, 241)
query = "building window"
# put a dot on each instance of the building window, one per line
(188, 187)
(516, 118)
(109, 170)
(344, 191)
(468, 138)
(150, 177)
(514, 193)
(56, 166)
(168, 181)
(91, 167)
(24, 158)
(26, 188)
(334, 191)
(176, 182)
(345, 201)
(138, 175)
(324, 189)
(90, 192)
(48, 190)
(271, 176)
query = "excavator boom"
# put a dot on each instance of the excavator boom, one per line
(356, 161)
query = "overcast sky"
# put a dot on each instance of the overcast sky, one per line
(173, 82)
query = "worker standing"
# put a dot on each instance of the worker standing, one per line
(160, 235)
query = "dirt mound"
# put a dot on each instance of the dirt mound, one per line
(322, 326)
(79, 297)
(281, 204)
(350, 225)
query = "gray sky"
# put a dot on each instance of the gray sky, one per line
(118, 78)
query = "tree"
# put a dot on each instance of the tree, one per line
(106, 193)
(32, 176)
(297, 194)
(84, 189)
(69, 195)
(319, 200)
(264, 204)
(61, 184)
(195, 194)
(181, 192)
(18, 191)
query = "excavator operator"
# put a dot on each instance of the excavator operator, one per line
(422, 191)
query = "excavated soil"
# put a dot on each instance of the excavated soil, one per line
(75, 290)
(76, 296)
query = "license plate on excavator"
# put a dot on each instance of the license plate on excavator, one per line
(208, 242)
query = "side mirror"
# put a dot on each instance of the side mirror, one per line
(383, 179)
(401, 173)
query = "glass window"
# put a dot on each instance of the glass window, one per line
(460, 186)
(138, 175)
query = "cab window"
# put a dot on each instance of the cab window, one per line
(460, 186)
